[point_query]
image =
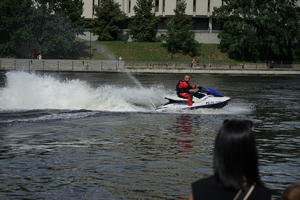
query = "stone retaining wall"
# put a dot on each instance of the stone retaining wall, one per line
(60, 65)
(143, 67)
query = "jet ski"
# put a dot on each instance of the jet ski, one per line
(203, 98)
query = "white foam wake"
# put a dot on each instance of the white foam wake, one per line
(29, 91)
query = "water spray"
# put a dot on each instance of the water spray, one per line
(139, 85)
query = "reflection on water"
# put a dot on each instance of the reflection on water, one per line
(185, 132)
(94, 136)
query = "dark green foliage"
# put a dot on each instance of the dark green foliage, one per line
(51, 25)
(278, 28)
(240, 41)
(181, 19)
(55, 33)
(15, 18)
(179, 36)
(109, 18)
(254, 29)
(238, 36)
(142, 27)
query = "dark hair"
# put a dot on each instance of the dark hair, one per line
(235, 155)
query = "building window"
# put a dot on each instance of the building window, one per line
(208, 5)
(129, 6)
(164, 5)
(93, 7)
(156, 5)
(194, 5)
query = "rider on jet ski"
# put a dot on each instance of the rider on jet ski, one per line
(183, 88)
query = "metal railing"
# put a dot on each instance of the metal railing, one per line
(211, 65)
(115, 65)
(60, 65)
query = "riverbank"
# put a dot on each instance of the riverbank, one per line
(117, 66)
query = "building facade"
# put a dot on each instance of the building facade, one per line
(206, 27)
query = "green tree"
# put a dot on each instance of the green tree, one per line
(109, 18)
(259, 29)
(180, 18)
(14, 20)
(50, 24)
(55, 26)
(278, 28)
(238, 36)
(179, 36)
(142, 27)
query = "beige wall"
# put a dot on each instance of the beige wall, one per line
(203, 10)
(214, 3)
(88, 9)
(200, 10)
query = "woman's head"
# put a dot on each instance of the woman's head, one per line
(235, 154)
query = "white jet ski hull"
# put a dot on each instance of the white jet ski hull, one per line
(202, 101)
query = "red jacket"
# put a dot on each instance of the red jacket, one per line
(184, 87)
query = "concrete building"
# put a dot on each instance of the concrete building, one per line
(206, 27)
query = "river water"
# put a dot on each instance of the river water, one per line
(98, 136)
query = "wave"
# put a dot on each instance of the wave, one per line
(31, 91)
(26, 91)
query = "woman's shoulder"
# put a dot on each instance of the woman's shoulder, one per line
(210, 189)
(204, 185)
(262, 192)
(208, 181)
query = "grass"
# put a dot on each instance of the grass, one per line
(145, 51)
(141, 51)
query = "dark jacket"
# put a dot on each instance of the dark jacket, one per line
(184, 87)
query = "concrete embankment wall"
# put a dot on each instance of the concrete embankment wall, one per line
(59, 65)
(147, 67)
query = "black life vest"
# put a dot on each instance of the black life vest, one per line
(181, 90)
